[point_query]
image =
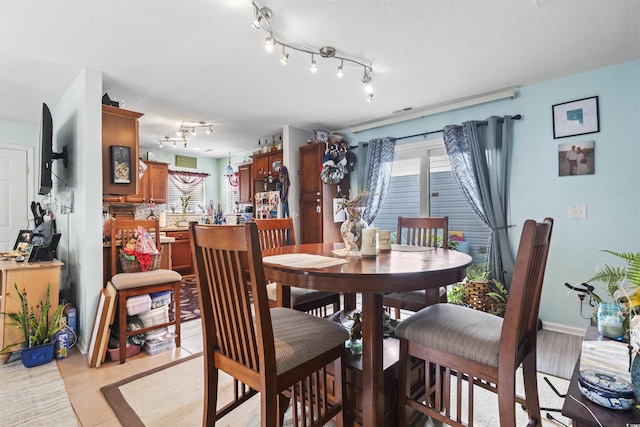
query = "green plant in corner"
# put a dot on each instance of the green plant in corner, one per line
(622, 283)
(35, 327)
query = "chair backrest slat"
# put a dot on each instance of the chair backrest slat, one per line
(423, 231)
(228, 263)
(122, 230)
(521, 315)
(275, 232)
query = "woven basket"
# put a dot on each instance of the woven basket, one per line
(134, 266)
(477, 294)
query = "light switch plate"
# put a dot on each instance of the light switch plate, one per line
(577, 212)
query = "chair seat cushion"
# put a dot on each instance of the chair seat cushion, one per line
(147, 278)
(457, 330)
(298, 295)
(300, 337)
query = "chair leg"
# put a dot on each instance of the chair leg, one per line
(530, 380)
(269, 409)
(403, 383)
(340, 390)
(210, 396)
(122, 324)
(176, 310)
(506, 390)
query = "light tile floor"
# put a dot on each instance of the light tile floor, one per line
(83, 383)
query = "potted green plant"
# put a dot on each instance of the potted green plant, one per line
(623, 285)
(184, 200)
(39, 334)
(479, 292)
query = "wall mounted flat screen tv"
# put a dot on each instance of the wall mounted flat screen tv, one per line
(47, 156)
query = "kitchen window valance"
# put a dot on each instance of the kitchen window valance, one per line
(186, 182)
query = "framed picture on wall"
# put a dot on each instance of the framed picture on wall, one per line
(576, 118)
(120, 164)
(577, 158)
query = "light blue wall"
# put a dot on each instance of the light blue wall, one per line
(611, 194)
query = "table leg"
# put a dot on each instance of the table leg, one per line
(372, 374)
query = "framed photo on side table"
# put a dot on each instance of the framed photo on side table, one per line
(576, 118)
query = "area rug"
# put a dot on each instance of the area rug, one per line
(189, 304)
(142, 400)
(34, 396)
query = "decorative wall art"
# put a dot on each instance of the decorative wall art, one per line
(120, 164)
(576, 118)
(576, 158)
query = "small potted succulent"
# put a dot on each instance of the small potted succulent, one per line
(39, 333)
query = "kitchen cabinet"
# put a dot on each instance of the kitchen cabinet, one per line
(245, 183)
(267, 164)
(119, 128)
(153, 184)
(316, 198)
(181, 260)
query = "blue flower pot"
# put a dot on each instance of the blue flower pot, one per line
(39, 355)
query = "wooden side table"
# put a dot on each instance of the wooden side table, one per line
(573, 402)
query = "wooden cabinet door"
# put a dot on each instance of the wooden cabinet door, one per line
(245, 183)
(260, 166)
(181, 252)
(275, 163)
(119, 128)
(141, 195)
(158, 181)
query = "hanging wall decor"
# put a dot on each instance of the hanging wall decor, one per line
(576, 118)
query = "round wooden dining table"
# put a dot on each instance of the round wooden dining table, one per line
(401, 269)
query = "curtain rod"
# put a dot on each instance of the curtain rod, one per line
(516, 117)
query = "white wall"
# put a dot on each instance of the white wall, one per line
(77, 123)
(536, 191)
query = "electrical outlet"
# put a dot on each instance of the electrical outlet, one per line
(577, 211)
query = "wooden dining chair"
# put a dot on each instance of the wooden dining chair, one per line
(423, 231)
(483, 349)
(133, 284)
(280, 352)
(276, 232)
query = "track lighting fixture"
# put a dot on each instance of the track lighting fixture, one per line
(264, 12)
(370, 97)
(314, 66)
(269, 44)
(285, 56)
(261, 21)
(167, 140)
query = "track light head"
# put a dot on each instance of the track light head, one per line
(340, 73)
(314, 66)
(260, 15)
(269, 43)
(370, 97)
(285, 57)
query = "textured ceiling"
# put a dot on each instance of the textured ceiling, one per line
(201, 60)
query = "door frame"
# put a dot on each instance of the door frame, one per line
(30, 178)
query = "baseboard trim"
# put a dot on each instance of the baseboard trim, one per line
(565, 329)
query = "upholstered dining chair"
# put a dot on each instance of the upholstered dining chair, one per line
(276, 232)
(423, 231)
(280, 352)
(483, 349)
(133, 284)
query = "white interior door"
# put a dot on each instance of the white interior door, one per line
(14, 194)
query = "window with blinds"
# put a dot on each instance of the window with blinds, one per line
(233, 196)
(196, 201)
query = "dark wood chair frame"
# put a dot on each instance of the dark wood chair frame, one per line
(517, 347)
(240, 342)
(421, 231)
(277, 232)
(123, 230)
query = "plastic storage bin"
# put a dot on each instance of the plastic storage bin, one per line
(155, 316)
(156, 347)
(160, 298)
(138, 304)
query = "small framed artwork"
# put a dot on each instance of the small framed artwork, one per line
(120, 164)
(577, 158)
(24, 242)
(276, 166)
(576, 118)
